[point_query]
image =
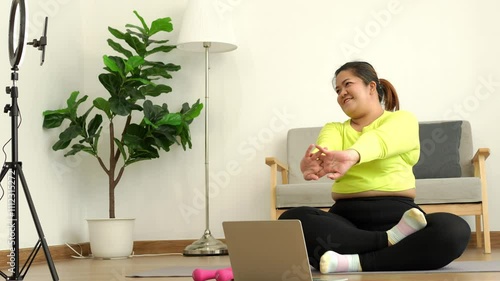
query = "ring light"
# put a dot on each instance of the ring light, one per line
(18, 9)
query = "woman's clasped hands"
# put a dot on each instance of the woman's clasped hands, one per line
(332, 163)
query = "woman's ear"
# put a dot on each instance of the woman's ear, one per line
(373, 88)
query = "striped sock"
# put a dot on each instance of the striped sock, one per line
(412, 221)
(333, 262)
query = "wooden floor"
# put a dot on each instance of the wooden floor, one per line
(117, 270)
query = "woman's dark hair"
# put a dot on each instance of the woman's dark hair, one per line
(365, 71)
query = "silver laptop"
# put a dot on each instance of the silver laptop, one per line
(267, 250)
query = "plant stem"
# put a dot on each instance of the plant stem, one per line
(112, 167)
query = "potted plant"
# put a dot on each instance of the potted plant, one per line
(138, 128)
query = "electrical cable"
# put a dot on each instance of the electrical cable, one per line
(5, 153)
(79, 255)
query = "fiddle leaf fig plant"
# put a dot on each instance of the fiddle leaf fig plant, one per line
(136, 128)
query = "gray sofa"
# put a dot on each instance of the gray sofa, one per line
(450, 178)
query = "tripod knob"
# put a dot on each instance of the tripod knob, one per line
(6, 108)
(7, 90)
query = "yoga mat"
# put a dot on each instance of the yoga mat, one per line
(173, 271)
(456, 266)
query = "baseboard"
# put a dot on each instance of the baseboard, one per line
(62, 252)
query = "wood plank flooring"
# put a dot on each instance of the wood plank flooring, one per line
(117, 270)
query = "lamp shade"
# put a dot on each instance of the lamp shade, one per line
(203, 23)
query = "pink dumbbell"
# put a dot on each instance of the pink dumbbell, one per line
(224, 274)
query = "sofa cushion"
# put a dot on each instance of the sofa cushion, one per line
(304, 194)
(451, 190)
(439, 150)
(429, 191)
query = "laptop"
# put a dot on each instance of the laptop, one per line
(267, 250)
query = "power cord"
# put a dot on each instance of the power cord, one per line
(5, 153)
(79, 255)
(155, 255)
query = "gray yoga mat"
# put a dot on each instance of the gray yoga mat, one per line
(456, 266)
(174, 271)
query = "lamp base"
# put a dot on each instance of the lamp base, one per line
(207, 245)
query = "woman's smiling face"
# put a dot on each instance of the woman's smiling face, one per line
(352, 93)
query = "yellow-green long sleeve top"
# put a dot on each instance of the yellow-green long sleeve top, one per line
(388, 149)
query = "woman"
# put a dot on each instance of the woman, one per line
(374, 224)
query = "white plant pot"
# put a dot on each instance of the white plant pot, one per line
(111, 238)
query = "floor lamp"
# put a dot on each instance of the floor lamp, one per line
(205, 29)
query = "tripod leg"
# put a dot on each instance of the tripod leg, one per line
(5, 169)
(38, 226)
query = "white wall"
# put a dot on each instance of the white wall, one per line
(438, 54)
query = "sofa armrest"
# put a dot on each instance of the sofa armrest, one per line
(280, 165)
(479, 162)
(276, 166)
(484, 152)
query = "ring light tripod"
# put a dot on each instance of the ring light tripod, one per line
(14, 168)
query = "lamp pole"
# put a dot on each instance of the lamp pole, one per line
(206, 45)
(204, 30)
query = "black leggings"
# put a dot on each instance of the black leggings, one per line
(358, 226)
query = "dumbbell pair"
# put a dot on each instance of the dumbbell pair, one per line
(224, 274)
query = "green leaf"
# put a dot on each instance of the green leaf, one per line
(61, 144)
(120, 146)
(134, 135)
(133, 62)
(192, 112)
(112, 65)
(185, 136)
(164, 24)
(133, 93)
(62, 111)
(170, 119)
(164, 49)
(81, 121)
(116, 33)
(142, 153)
(79, 147)
(139, 35)
(167, 67)
(136, 44)
(158, 41)
(103, 105)
(155, 90)
(52, 119)
(155, 71)
(144, 25)
(148, 122)
(71, 101)
(120, 106)
(111, 82)
(70, 133)
(142, 80)
(141, 30)
(117, 47)
(133, 138)
(94, 125)
(166, 132)
(95, 140)
(149, 109)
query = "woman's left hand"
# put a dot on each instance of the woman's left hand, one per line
(336, 163)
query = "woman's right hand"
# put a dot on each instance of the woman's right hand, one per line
(310, 165)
